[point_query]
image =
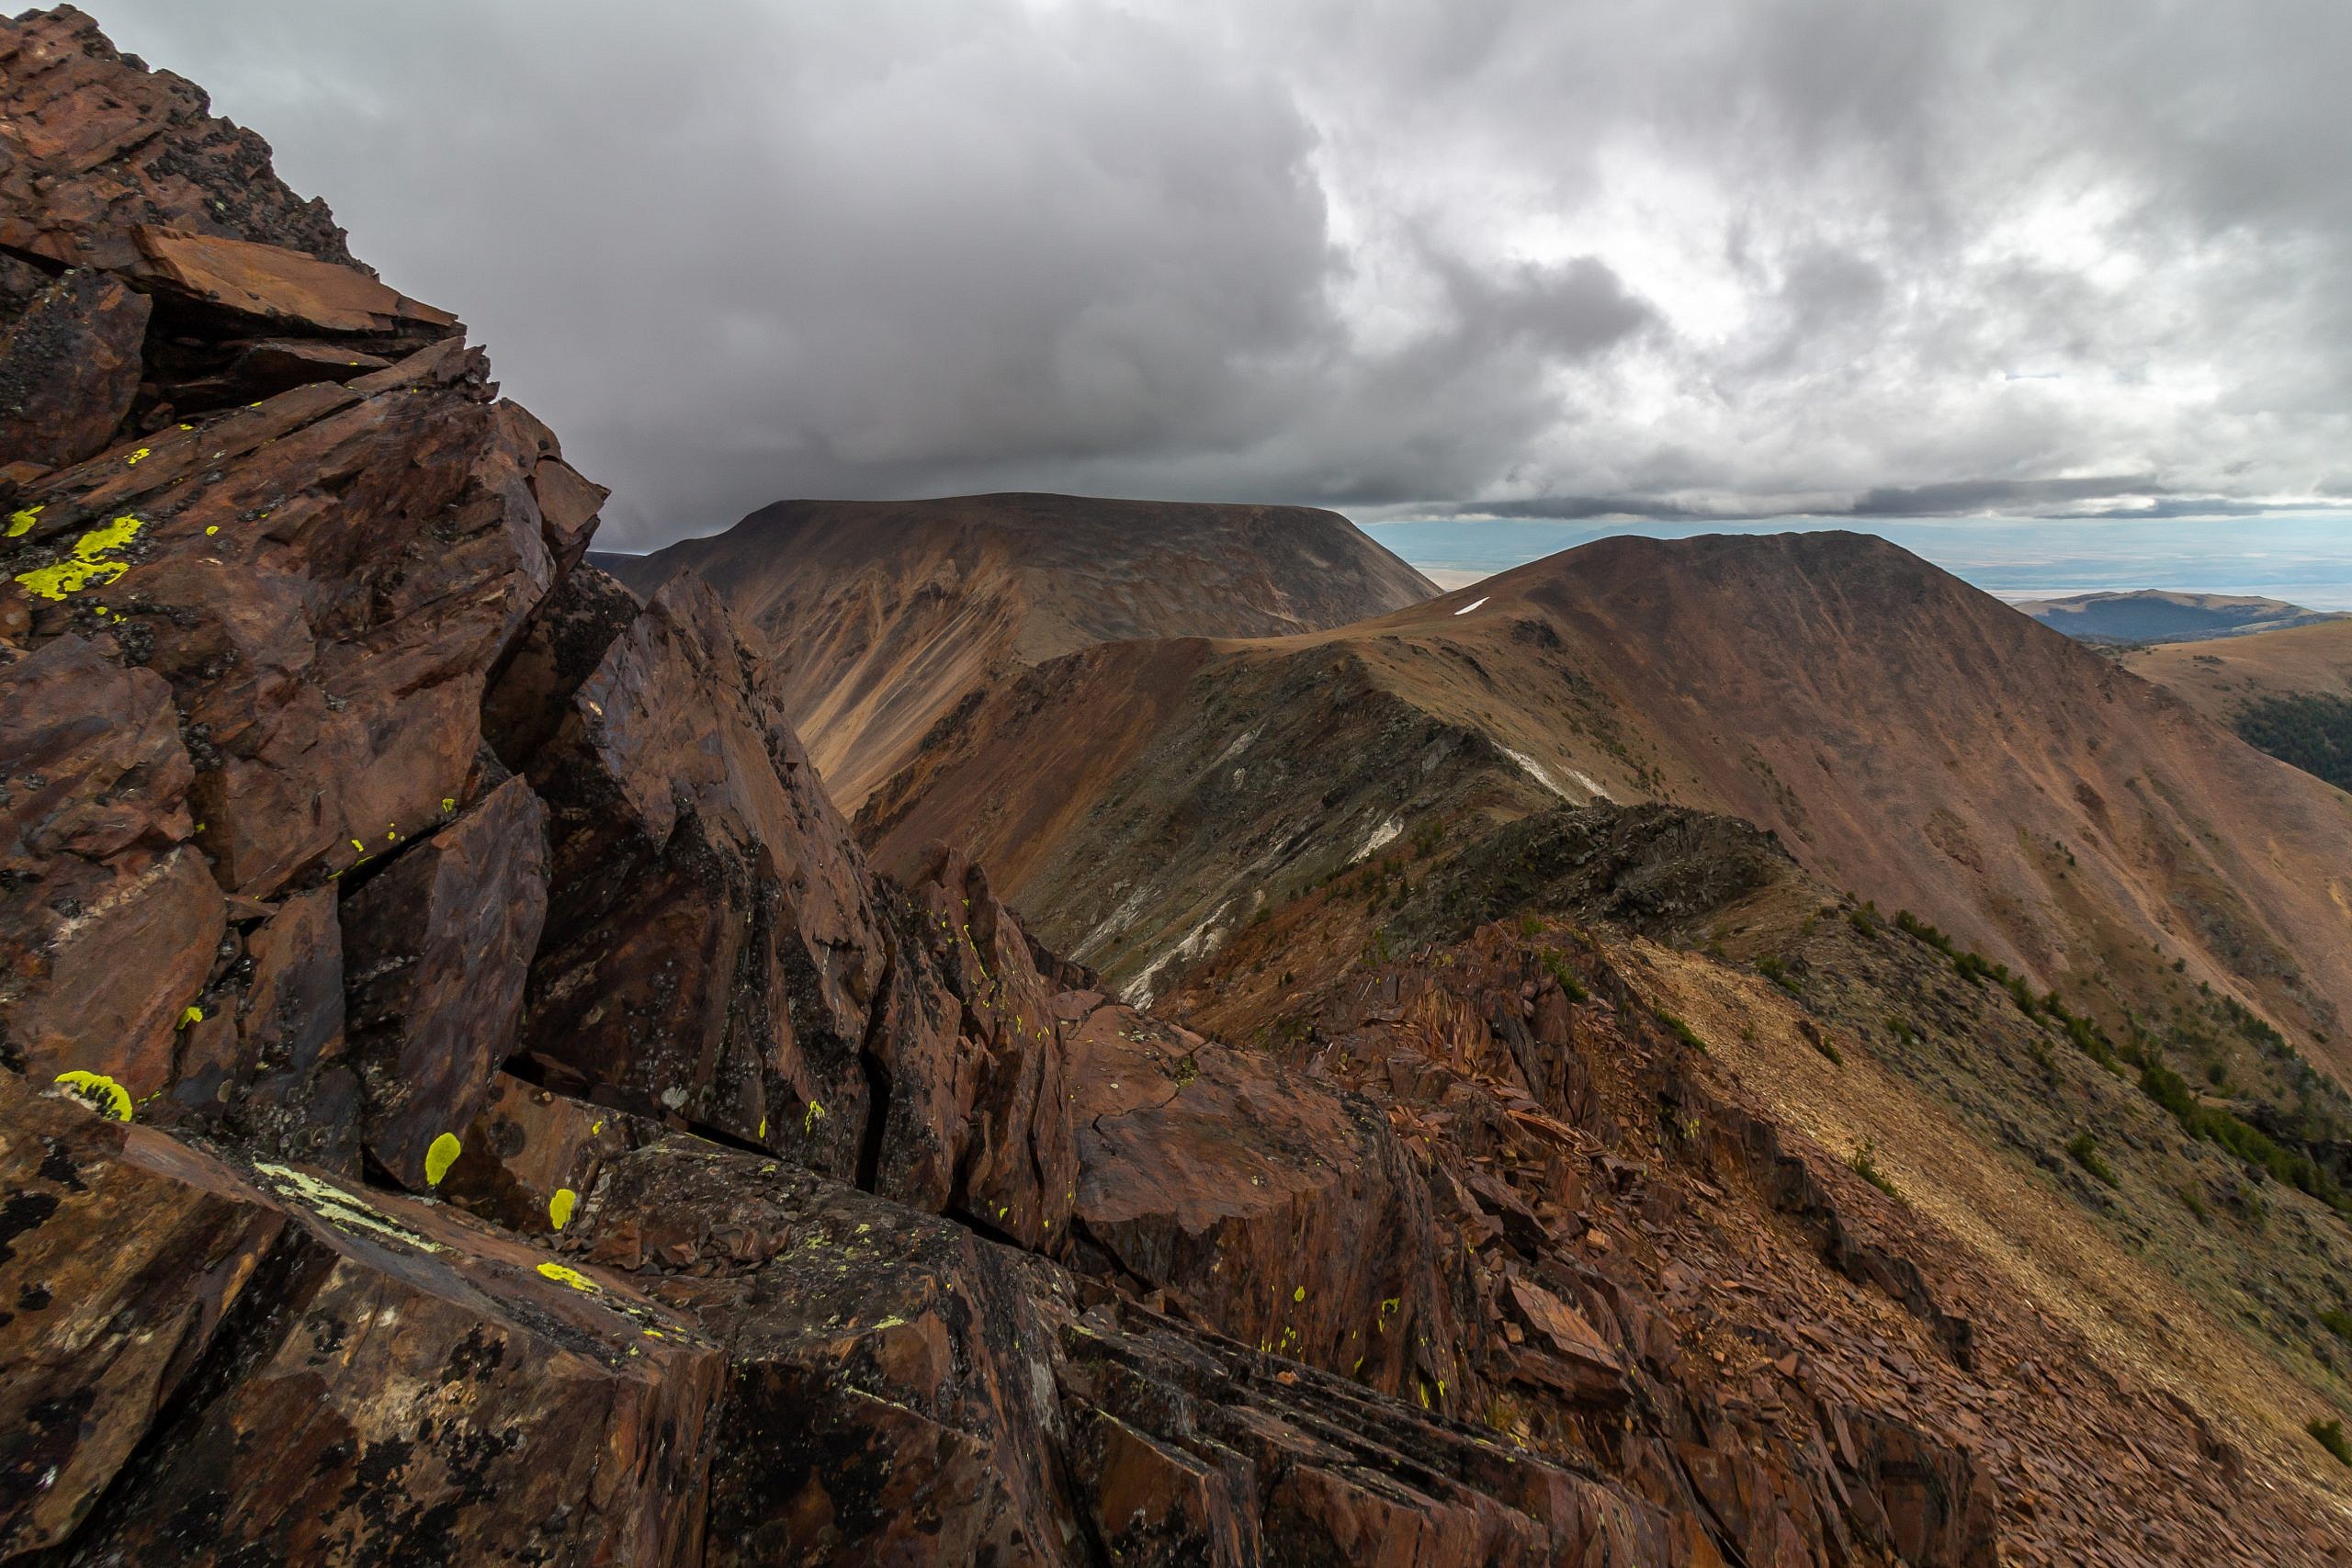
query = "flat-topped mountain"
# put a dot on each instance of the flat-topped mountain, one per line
(887, 615)
(1907, 737)
(2156, 614)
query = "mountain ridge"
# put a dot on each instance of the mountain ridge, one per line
(887, 615)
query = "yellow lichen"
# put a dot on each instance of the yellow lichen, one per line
(560, 1207)
(136, 457)
(101, 1092)
(809, 1118)
(211, 529)
(1299, 1294)
(21, 523)
(438, 1158)
(571, 1276)
(88, 564)
(193, 1015)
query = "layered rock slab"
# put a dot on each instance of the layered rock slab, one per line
(292, 1369)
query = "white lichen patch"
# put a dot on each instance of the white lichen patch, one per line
(344, 1210)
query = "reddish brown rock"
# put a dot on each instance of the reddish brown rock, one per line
(325, 579)
(96, 145)
(415, 1387)
(712, 951)
(120, 1251)
(437, 947)
(980, 1111)
(108, 920)
(1265, 1204)
(532, 1156)
(891, 1394)
(284, 290)
(69, 368)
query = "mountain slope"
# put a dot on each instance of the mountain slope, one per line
(2288, 693)
(887, 615)
(1905, 735)
(2158, 616)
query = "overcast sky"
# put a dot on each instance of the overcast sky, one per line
(1519, 257)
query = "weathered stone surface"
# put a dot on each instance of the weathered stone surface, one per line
(437, 947)
(532, 1156)
(119, 1253)
(265, 368)
(980, 1111)
(325, 580)
(96, 145)
(69, 368)
(578, 622)
(109, 921)
(712, 950)
(890, 1392)
(1264, 1204)
(283, 289)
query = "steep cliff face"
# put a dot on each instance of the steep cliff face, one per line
(465, 1096)
(889, 617)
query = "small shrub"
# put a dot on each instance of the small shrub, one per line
(2330, 1435)
(1863, 1162)
(1557, 967)
(2195, 1205)
(2337, 1323)
(1680, 1029)
(1774, 969)
(1900, 1027)
(1863, 921)
(2084, 1150)
(1823, 1043)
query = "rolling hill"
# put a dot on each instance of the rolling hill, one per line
(2159, 615)
(887, 615)
(1906, 737)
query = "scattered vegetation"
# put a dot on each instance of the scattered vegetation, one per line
(1557, 967)
(1863, 1162)
(2330, 1435)
(2214, 1123)
(2338, 1323)
(2084, 1150)
(1775, 970)
(2311, 731)
(1680, 1030)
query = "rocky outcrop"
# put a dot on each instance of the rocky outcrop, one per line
(465, 1096)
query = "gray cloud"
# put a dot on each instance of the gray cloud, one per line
(1671, 257)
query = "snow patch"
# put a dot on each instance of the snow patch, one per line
(1468, 608)
(1198, 942)
(1535, 770)
(1586, 779)
(1382, 833)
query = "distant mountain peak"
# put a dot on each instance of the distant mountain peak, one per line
(2158, 615)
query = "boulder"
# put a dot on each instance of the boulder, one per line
(437, 947)
(109, 921)
(712, 950)
(280, 289)
(69, 369)
(325, 580)
(96, 144)
(261, 1363)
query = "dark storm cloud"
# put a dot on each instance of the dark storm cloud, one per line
(1700, 258)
